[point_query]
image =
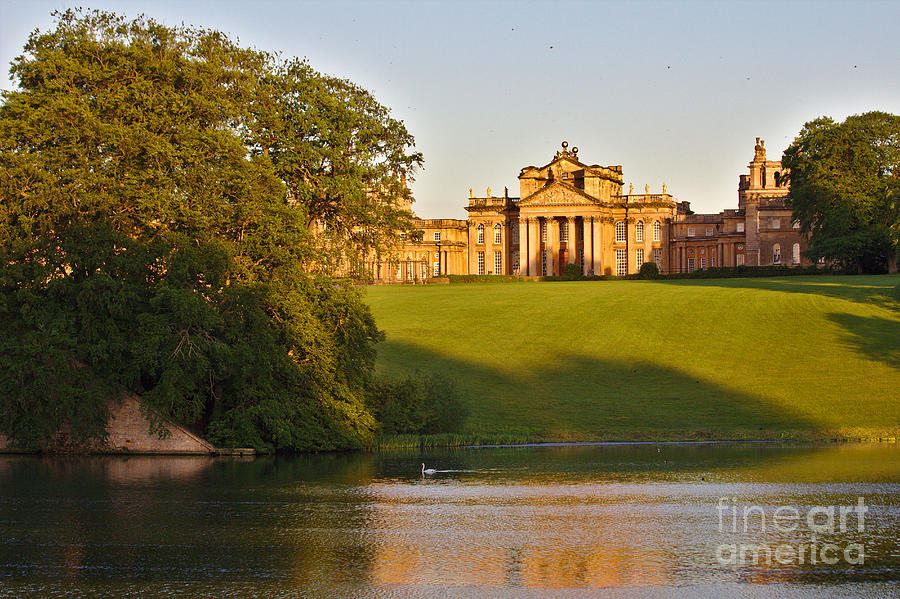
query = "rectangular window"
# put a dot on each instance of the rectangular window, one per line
(481, 263)
(423, 269)
(436, 269)
(709, 231)
(497, 230)
(498, 263)
(544, 231)
(621, 232)
(545, 257)
(564, 231)
(581, 259)
(692, 232)
(621, 263)
(657, 228)
(514, 231)
(702, 263)
(690, 264)
(515, 261)
(437, 235)
(740, 227)
(639, 231)
(712, 261)
(657, 257)
(740, 259)
(639, 257)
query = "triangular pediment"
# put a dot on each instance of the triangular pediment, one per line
(558, 193)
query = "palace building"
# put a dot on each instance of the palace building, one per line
(569, 212)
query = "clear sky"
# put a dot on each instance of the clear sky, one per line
(676, 92)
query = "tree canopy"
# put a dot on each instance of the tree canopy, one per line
(845, 189)
(170, 206)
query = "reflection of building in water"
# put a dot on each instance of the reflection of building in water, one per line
(569, 212)
(515, 536)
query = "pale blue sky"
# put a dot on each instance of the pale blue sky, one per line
(675, 92)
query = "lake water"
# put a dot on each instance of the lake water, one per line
(656, 520)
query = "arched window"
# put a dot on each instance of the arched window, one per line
(620, 231)
(657, 231)
(777, 179)
(497, 234)
(796, 253)
(639, 232)
(776, 253)
(480, 234)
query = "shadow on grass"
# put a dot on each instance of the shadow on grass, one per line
(573, 397)
(874, 337)
(880, 290)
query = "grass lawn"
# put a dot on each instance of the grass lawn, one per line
(793, 357)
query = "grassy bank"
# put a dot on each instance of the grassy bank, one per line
(798, 357)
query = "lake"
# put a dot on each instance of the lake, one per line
(620, 520)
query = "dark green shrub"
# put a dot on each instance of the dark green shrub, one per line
(649, 270)
(571, 272)
(418, 405)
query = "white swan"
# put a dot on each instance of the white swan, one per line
(427, 470)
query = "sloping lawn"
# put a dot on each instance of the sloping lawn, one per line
(814, 357)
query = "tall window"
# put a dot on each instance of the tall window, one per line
(545, 258)
(639, 231)
(639, 257)
(657, 231)
(776, 253)
(581, 259)
(709, 231)
(657, 257)
(480, 234)
(481, 263)
(702, 263)
(620, 232)
(515, 261)
(564, 231)
(795, 253)
(497, 233)
(621, 263)
(740, 227)
(692, 232)
(436, 269)
(544, 231)
(514, 231)
(437, 235)
(690, 264)
(740, 259)
(498, 263)
(423, 269)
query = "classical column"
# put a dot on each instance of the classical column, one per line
(598, 246)
(534, 246)
(572, 244)
(587, 235)
(523, 246)
(549, 245)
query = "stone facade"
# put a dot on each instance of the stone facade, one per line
(571, 212)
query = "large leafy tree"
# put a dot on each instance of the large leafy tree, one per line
(845, 189)
(157, 187)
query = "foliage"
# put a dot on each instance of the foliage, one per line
(418, 405)
(571, 272)
(157, 189)
(649, 270)
(845, 189)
